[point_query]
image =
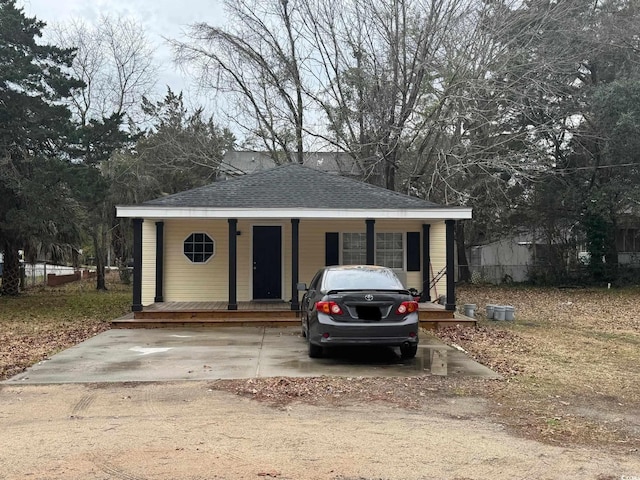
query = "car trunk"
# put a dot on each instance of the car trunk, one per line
(368, 306)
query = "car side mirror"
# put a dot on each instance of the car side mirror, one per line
(302, 287)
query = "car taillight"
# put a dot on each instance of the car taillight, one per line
(407, 307)
(329, 308)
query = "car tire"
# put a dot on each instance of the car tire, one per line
(315, 351)
(408, 351)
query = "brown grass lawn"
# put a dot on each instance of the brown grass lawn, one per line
(43, 320)
(570, 360)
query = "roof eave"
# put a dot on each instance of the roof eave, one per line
(165, 212)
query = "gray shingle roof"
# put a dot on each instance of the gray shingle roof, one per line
(292, 186)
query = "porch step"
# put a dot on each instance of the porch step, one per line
(203, 322)
(433, 313)
(432, 317)
(215, 315)
(430, 324)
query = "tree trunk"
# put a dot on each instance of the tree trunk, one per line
(11, 271)
(464, 273)
(99, 248)
(390, 173)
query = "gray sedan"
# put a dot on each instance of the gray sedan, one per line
(358, 305)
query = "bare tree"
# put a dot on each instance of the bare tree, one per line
(257, 62)
(381, 63)
(115, 60)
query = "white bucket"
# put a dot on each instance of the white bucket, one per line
(509, 313)
(470, 310)
(498, 312)
(490, 309)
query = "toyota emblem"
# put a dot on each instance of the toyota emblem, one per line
(368, 297)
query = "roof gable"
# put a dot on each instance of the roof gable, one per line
(292, 186)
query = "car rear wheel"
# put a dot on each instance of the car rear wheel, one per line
(315, 351)
(408, 351)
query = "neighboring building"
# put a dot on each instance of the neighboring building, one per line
(512, 259)
(237, 163)
(628, 241)
(254, 237)
(507, 260)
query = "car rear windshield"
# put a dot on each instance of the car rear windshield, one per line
(361, 279)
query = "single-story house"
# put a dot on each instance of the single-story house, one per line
(252, 238)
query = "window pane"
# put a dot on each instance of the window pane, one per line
(354, 258)
(354, 248)
(390, 250)
(199, 247)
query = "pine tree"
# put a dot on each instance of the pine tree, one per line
(34, 129)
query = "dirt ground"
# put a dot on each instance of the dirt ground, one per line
(568, 405)
(195, 431)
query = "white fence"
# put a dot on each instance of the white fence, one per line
(36, 273)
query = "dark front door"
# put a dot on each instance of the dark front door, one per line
(267, 263)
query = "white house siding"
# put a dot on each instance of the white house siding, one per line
(148, 261)
(438, 251)
(244, 260)
(185, 281)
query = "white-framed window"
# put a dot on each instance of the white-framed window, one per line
(199, 247)
(354, 248)
(389, 249)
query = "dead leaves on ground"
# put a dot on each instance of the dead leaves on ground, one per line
(19, 351)
(496, 349)
(406, 392)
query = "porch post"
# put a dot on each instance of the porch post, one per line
(295, 257)
(451, 267)
(233, 261)
(137, 265)
(371, 242)
(426, 263)
(159, 261)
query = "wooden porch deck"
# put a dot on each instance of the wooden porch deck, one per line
(184, 314)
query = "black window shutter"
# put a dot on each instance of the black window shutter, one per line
(413, 251)
(332, 245)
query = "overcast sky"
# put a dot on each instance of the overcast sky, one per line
(160, 18)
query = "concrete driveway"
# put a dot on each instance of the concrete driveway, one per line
(163, 354)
